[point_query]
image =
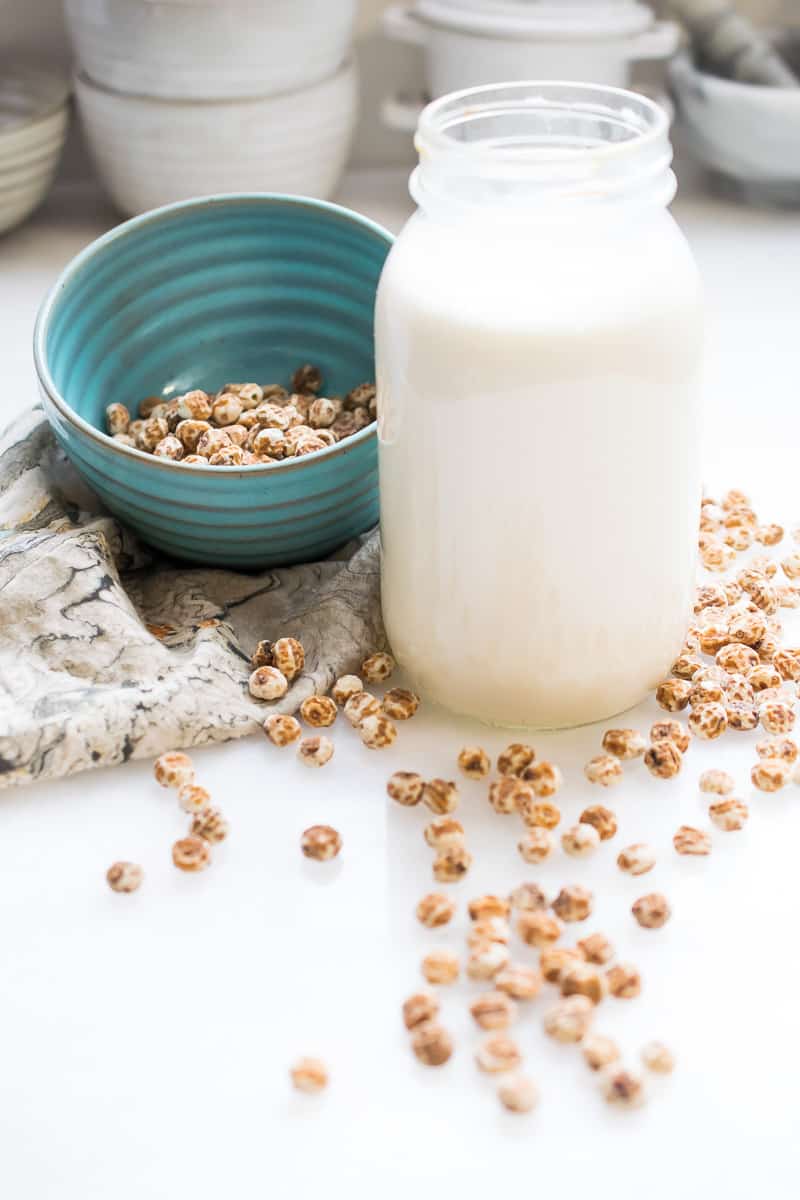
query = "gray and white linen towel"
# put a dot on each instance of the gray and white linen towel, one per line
(109, 651)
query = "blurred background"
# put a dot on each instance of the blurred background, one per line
(37, 29)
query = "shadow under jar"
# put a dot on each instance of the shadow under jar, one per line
(539, 342)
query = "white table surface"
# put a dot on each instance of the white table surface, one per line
(145, 1039)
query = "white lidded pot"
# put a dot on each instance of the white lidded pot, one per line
(209, 49)
(470, 43)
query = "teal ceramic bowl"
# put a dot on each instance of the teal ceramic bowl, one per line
(195, 294)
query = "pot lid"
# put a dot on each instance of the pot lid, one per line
(539, 18)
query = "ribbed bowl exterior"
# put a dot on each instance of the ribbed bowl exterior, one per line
(149, 152)
(28, 160)
(207, 51)
(194, 295)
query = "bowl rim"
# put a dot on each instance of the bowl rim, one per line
(683, 61)
(153, 216)
(82, 81)
(31, 73)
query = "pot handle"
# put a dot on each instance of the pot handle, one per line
(402, 112)
(660, 41)
(400, 24)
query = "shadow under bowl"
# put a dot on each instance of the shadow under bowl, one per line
(241, 287)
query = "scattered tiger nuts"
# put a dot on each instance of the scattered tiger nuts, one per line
(422, 1006)
(377, 667)
(528, 896)
(440, 796)
(444, 832)
(691, 841)
(519, 982)
(624, 981)
(570, 1019)
(538, 928)
(770, 774)
(474, 762)
(544, 777)
(493, 1010)
(518, 1095)
(361, 705)
(481, 907)
(777, 717)
(441, 966)
(289, 657)
(498, 1053)
(268, 683)
(716, 783)
(582, 979)
(318, 711)
(729, 815)
(210, 824)
(574, 903)
(509, 794)
(486, 959)
(124, 876)
(315, 751)
(400, 704)
(193, 799)
(309, 1075)
(672, 731)
(603, 769)
(555, 960)
(625, 744)
(377, 732)
(622, 1088)
(515, 758)
(191, 854)
(321, 842)
(282, 729)
(405, 787)
(432, 1044)
(488, 929)
(658, 1058)
(777, 747)
(262, 655)
(603, 819)
(708, 721)
(637, 859)
(536, 845)
(598, 1051)
(596, 948)
(663, 759)
(173, 769)
(451, 864)
(579, 841)
(435, 909)
(538, 813)
(673, 694)
(652, 911)
(345, 687)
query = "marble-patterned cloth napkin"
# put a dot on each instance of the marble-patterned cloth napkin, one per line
(109, 651)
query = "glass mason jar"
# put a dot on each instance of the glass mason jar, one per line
(539, 340)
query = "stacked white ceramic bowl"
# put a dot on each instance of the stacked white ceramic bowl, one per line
(468, 43)
(183, 98)
(34, 115)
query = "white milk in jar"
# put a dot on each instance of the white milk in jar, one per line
(539, 337)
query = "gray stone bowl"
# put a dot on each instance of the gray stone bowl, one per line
(747, 136)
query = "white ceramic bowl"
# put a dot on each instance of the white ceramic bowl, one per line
(748, 136)
(34, 116)
(209, 49)
(467, 43)
(152, 152)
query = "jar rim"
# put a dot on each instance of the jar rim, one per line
(647, 120)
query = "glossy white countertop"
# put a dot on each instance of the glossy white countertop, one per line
(146, 1038)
